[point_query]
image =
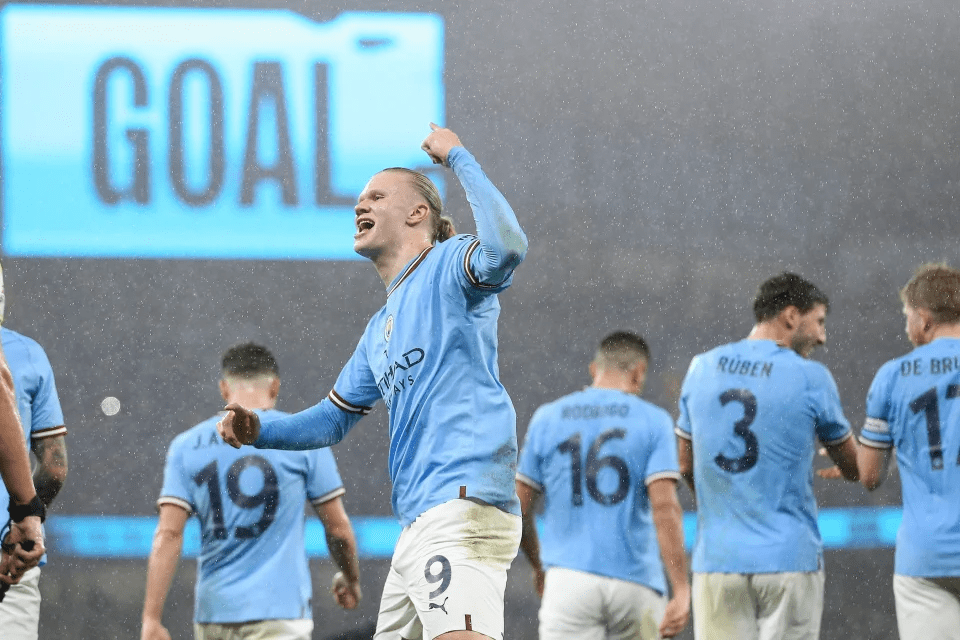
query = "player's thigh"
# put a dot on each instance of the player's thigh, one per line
(255, 630)
(926, 609)
(634, 611)
(20, 609)
(789, 605)
(572, 606)
(723, 607)
(453, 561)
(398, 617)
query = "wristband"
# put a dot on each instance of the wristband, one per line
(33, 508)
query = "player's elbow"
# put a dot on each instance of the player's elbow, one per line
(871, 480)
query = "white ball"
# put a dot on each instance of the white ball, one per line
(110, 406)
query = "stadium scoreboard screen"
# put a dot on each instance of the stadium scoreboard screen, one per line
(205, 133)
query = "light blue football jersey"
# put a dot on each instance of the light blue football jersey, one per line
(252, 563)
(592, 455)
(36, 390)
(914, 405)
(753, 410)
(431, 355)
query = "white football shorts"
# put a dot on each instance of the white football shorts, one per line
(757, 606)
(591, 607)
(927, 607)
(255, 630)
(449, 573)
(20, 609)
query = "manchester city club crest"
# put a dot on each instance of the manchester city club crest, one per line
(388, 329)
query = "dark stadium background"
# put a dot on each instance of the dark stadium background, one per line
(663, 157)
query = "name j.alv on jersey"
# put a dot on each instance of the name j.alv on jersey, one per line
(397, 376)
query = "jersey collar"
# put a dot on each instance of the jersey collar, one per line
(410, 268)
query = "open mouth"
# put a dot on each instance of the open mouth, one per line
(364, 224)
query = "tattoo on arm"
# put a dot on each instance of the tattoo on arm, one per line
(51, 467)
(345, 557)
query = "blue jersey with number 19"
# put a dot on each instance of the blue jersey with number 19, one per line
(592, 454)
(252, 563)
(914, 405)
(753, 409)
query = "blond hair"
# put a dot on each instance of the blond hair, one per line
(936, 288)
(441, 226)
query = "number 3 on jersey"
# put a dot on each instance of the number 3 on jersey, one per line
(742, 428)
(268, 496)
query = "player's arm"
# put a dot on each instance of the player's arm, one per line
(161, 567)
(322, 425)
(343, 550)
(529, 542)
(685, 458)
(503, 244)
(668, 521)
(51, 472)
(25, 532)
(874, 462)
(845, 456)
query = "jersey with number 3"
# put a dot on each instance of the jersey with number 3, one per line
(914, 405)
(753, 410)
(592, 454)
(252, 563)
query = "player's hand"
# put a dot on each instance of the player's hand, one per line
(539, 577)
(347, 594)
(21, 550)
(153, 630)
(439, 143)
(239, 426)
(830, 473)
(677, 615)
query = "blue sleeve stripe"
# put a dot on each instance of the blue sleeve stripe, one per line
(683, 434)
(840, 440)
(466, 267)
(344, 405)
(132, 536)
(866, 441)
(327, 497)
(877, 426)
(179, 502)
(662, 475)
(530, 482)
(49, 432)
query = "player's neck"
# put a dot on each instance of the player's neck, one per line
(252, 399)
(945, 331)
(770, 330)
(390, 262)
(611, 380)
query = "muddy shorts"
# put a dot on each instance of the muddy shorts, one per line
(449, 573)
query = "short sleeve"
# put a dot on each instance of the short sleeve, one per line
(176, 484)
(876, 429)
(528, 468)
(323, 479)
(46, 414)
(662, 462)
(832, 426)
(356, 388)
(684, 428)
